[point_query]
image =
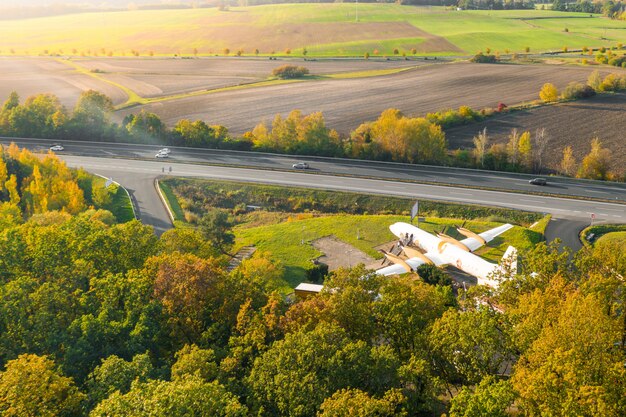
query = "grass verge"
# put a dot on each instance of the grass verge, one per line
(172, 201)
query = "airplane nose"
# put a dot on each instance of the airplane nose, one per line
(397, 228)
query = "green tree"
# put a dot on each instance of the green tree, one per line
(190, 396)
(116, 374)
(31, 386)
(405, 312)
(526, 150)
(145, 127)
(356, 403)
(595, 80)
(490, 398)
(193, 361)
(215, 227)
(471, 344)
(92, 115)
(296, 374)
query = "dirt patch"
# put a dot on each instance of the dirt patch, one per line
(568, 124)
(339, 254)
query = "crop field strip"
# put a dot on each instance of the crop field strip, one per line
(323, 29)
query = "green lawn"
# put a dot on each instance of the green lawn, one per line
(290, 242)
(120, 204)
(166, 32)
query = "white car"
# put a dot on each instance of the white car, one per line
(161, 155)
(301, 165)
(56, 148)
(165, 151)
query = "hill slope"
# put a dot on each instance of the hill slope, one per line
(321, 29)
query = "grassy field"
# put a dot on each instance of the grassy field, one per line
(290, 219)
(321, 29)
(120, 204)
(290, 242)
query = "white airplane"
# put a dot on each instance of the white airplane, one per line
(420, 247)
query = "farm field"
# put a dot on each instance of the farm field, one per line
(321, 29)
(158, 77)
(573, 123)
(30, 76)
(346, 103)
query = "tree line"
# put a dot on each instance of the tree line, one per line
(105, 319)
(392, 137)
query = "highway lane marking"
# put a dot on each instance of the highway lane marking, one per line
(594, 191)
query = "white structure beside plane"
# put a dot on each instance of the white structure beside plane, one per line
(420, 247)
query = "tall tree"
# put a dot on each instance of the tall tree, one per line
(568, 163)
(595, 165)
(481, 141)
(31, 386)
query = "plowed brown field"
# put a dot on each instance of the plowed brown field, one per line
(348, 102)
(573, 124)
(30, 76)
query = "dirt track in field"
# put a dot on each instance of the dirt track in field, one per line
(157, 77)
(347, 103)
(573, 124)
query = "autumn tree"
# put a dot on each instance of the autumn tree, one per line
(31, 386)
(569, 371)
(513, 148)
(481, 141)
(540, 146)
(595, 165)
(568, 162)
(408, 139)
(187, 288)
(526, 150)
(549, 93)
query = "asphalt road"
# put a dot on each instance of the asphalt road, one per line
(138, 175)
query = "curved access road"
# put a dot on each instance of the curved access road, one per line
(138, 176)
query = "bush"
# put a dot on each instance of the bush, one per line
(575, 91)
(290, 71)
(549, 93)
(481, 58)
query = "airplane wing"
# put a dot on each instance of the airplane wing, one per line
(473, 243)
(414, 263)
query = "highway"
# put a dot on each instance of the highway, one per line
(405, 172)
(139, 174)
(136, 167)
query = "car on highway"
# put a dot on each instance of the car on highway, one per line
(301, 165)
(56, 147)
(538, 181)
(165, 151)
(161, 155)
